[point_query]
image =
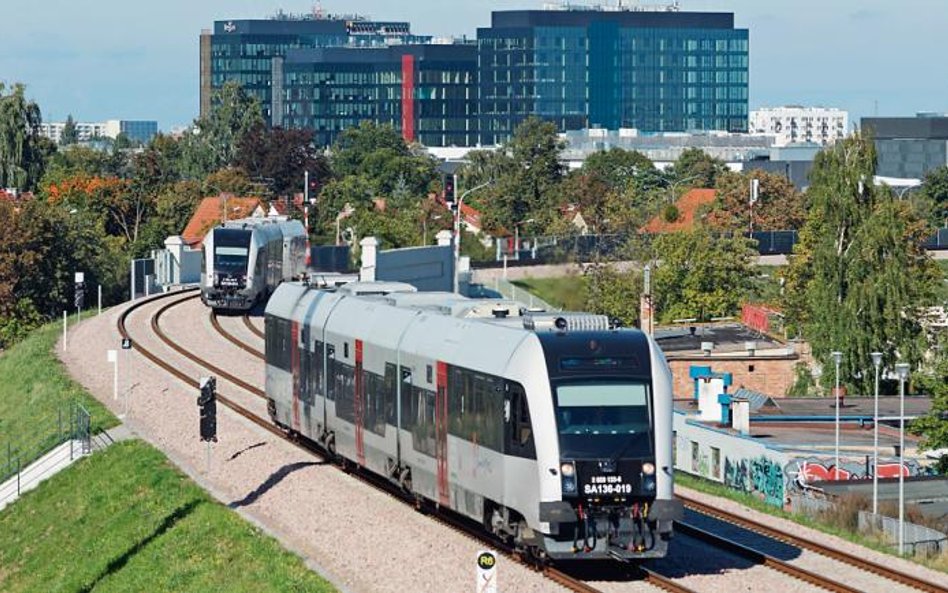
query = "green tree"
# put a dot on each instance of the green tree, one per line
(935, 189)
(281, 158)
(700, 275)
(859, 278)
(779, 206)
(23, 154)
(70, 133)
(620, 169)
(613, 293)
(696, 168)
(355, 145)
(215, 138)
(934, 426)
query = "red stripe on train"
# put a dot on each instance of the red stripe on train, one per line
(359, 404)
(441, 432)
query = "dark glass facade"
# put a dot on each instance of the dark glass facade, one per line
(908, 147)
(655, 71)
(251, 51)
(428, 92)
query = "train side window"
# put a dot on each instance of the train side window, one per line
(519, 429)
(345, 350)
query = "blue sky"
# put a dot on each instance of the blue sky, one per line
(128, 59)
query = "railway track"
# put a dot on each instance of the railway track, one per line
(216, 323)
(746, 552)
(887, 572)
(456, 524)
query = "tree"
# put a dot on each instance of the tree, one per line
(700, 275)
(355, 145)
(23, 154)
(213, 143)
(935, 189)
(281, 157)
(613, 293)
(859, 278)
(696, 168)
(620, 169)
(70, 133)
(934, 426)
(779, 206)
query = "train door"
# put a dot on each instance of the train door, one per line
(359, 404)
(441, 433)
(518, 428)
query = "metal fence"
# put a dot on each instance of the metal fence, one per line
(500, 288)
(586, 248)
(70, 423)
(918, 538)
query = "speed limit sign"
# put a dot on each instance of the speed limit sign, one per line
(486, 572)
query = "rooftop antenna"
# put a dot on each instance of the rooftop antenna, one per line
(318, 11)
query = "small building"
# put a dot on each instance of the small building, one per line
(215, 210)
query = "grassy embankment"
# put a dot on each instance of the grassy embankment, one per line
(567, 292)
(126, 520)
(34, 389)
(943, 292)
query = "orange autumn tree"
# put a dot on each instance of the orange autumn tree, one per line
(122, 208)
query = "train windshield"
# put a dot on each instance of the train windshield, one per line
(231, 250)
(603, 419)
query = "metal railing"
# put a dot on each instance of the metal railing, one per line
(510, 291)
(70, 423)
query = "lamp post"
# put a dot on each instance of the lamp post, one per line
(837, 358)
(902, 370)
(876, 362)
(457, 229)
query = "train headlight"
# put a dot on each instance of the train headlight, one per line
(568, 470)
(568, 473)
(648, 469)
(569, 485)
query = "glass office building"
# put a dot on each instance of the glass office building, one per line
(251, 52)
(908, 147)
(654, 71)
(428, 91)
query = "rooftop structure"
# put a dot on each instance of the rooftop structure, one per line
(909, 147)
(136, 130)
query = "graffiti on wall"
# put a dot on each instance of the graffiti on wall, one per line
(810, 470)
(760, 476)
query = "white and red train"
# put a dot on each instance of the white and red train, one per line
(552, 430)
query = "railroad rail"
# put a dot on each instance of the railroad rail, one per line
(764, 559)
(253, 328)
(645, 574)
(216, 323)
(794, 540)
(457, 524)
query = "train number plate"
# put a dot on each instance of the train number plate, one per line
(606, 486)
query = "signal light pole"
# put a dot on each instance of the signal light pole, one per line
(207, 404)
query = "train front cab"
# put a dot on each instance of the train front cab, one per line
(612, 492)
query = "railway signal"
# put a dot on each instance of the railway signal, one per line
(207, 402)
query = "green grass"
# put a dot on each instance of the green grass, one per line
(566, 292)
(126, 520)
(722, 491)
(34, 389)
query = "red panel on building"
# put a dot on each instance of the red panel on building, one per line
(408, 98)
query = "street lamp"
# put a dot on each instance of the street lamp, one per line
(837, 358)
(424, 226)
(457, 229)
(902, 370)
(876, 362)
